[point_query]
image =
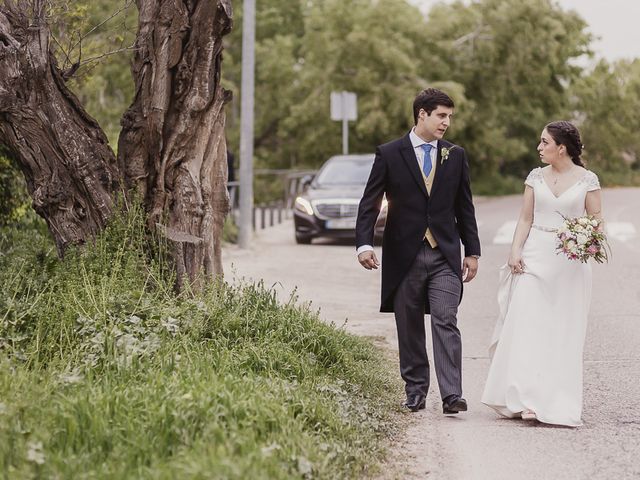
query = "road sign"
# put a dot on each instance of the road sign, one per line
(343, 106)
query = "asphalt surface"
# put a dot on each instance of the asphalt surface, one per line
(478, 444)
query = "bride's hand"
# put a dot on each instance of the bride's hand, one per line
(516, 265)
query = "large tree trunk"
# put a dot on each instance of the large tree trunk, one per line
(70, 169)
(171, 149)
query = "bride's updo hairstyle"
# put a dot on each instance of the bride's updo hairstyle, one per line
(565, 133)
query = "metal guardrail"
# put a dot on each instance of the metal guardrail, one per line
(268, 214)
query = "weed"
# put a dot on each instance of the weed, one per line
(105, 372)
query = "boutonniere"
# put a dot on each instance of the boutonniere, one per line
(444, 153)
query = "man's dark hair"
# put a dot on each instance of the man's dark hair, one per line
(429, 99)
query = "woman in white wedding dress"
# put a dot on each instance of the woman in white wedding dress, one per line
(536, 366)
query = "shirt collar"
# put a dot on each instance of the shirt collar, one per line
(416, 141)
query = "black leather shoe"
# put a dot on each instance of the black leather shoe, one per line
(415, 402)
(454, 405)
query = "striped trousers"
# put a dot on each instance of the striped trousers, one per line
(430, 277)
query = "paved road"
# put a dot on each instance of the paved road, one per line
(478, 445)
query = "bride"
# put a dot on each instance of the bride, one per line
(536, 366)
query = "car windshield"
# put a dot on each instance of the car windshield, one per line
(345, 171)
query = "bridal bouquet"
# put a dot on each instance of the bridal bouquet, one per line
(581, 239)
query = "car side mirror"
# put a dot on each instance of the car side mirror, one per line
(306, 180)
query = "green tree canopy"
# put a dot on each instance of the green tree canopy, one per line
(516, 61)
(608, 102)
(96, 38)
(306, 50)
(510, 66)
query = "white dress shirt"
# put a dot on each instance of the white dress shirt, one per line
(417, 143)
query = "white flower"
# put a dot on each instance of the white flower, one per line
(71, 377)
(444, 153)
(134, 320)
(35, 453)
(269, 449)
(578, 239)
(172, 325)
(305, 467)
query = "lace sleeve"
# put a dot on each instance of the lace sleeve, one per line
(591, 179)
(534, 175)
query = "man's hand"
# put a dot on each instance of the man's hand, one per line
(369, 260)
(469, 268)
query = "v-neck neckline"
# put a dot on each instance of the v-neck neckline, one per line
(567, 189)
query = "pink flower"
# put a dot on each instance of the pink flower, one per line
(592, 250)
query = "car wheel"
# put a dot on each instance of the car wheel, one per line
(303, 240)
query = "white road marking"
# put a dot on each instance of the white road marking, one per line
(504, 235)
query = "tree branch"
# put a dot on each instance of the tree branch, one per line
(106, 54)
(126, 6)
(67, 60)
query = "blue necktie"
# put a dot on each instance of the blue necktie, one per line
(426, 164)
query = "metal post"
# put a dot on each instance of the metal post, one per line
(345, 136)
(246, 122)
(345, 128)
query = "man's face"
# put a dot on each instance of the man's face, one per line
(432, 127)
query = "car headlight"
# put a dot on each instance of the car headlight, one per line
(303, 205)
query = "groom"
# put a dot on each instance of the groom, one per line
(430, 211)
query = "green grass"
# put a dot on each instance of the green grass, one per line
(105, 372)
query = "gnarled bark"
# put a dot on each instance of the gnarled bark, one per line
(171, 148)
(70, 169)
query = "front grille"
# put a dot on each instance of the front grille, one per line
(337, 210)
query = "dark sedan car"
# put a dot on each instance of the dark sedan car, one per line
(329, 205)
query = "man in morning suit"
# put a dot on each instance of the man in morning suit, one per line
(430, 212)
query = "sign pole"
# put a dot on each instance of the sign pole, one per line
(345, 136)
(343, 108)
(345, 125)
(245, 229)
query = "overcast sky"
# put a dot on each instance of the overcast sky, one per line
(616, 22)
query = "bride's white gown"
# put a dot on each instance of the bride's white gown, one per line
(539, 337)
